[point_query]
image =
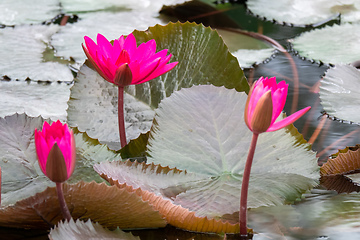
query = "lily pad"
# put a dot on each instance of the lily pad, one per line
(306, 12)
(21, 174)
(24, 55)
(34, 99)
(25, 12)
(331, 45)
(201, 131)
(67, 41)
(80, 6)
(84, 230)
(93, 101)
(108, 205)
(339, 92)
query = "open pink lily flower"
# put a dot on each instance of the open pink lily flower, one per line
(123, 63)
(56, 151)
(265, 102)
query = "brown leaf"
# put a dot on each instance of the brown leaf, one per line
(346, 161)
(108, 205)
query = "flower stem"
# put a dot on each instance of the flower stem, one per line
(64, 209)
(121, 120)
(245, 187)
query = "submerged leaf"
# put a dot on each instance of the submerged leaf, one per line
(340, 92)
(84, 230)
(248, 50)
(21, 174)
(108, 205)
(93, 101)
(332, 44)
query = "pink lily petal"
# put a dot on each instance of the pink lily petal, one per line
(279, 99)
(130, 44)
(145, 50)
(160, 71)
(147, 69)
(288, 120)
(90, 46)
(104, 46)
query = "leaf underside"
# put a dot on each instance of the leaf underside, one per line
(346, 161)
(108, 205)
(174, 214)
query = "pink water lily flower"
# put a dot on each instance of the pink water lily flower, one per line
(56, 151)
(123, 63)
(265, 102)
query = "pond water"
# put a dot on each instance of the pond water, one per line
(321, 214)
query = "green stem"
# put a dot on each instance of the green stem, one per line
(245, 187)
(64, 209)
(121, 120)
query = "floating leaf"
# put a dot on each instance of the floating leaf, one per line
(201, 130)
(78, 6)
(24, 55)
(346, 161)
(67, 41)
(339, 92)
(306, 12)
(21, 174)
(148, 181)
(332, 44)
(93, 101)
(23, 12)
(34, 99)
(84, 230)
(108, 205)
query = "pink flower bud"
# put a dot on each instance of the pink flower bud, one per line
(56, 151)
(264, 104)
(143, 61)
